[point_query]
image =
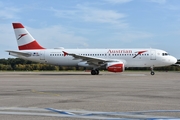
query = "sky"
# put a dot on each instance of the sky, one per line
(93, 24)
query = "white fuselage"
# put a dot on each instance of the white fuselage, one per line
(114, 60)
(130, 57)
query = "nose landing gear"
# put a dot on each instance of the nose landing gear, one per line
(152, 71)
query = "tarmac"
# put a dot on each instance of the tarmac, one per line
(79, 95)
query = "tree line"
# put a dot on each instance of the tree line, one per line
(18, 64)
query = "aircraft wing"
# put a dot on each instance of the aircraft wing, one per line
(91, 60)
(11, 52)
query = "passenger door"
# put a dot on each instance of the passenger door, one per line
(153, 55)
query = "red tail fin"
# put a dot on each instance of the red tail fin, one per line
(24, 39)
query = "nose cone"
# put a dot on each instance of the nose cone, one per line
(173, 60)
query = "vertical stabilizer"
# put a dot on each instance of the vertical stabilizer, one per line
(24, 39)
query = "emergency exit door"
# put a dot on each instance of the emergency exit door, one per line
(42, 55)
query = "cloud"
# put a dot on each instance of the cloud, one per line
(118, 1)
(57, 36)
(7, 35)
(168, 6)
(129, 36)
(7, 40)
(172, 7)
(158, 1)
(101, 16)
(96, 15)
(65, 13)
(8, 12)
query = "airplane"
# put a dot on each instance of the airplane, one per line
(114, 60)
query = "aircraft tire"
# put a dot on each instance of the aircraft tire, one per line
(97, 72)
(152, 72)
(93, 72)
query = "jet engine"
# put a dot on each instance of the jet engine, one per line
(115, 67)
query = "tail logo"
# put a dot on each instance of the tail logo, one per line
(21, 35)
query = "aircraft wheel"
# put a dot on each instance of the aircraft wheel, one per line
(93, 72)
(152, 72)
(97, 72)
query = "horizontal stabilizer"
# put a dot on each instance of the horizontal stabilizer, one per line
(18, 53)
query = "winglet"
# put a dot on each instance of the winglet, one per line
(65, 53)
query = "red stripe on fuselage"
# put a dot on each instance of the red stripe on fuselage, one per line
(30, 46)
(17, 25)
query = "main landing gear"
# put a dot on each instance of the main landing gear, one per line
(152, 71)
(95, 72)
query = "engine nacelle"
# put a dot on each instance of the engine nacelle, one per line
(115, 67)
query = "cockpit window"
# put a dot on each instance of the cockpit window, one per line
(165, 54)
